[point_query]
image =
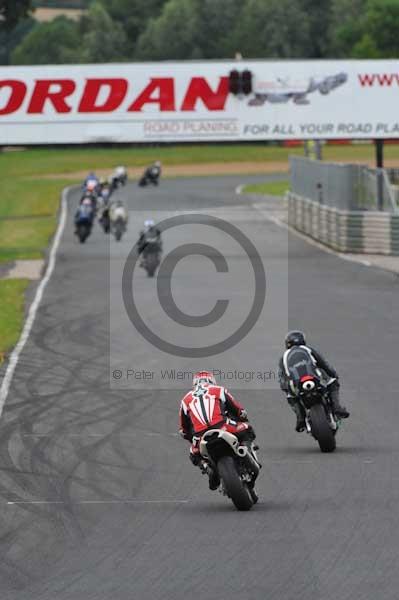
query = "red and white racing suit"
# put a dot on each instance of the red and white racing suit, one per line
(210, 407)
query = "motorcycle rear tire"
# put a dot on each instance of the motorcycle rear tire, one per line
(233, 484)
(321, 429)
(82, 233)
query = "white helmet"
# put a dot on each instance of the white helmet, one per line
(120, 171)
(149, 223)
(91, 185)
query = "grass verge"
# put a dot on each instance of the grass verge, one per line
(12, 300)
(28, 209)
(274, 188)
(42, 161)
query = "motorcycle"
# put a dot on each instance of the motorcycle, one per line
(91, 185)
(84, 222)
(151, 258)
(118, 178)
(320, 420)
(102, 210)
(105, 220)
(235, 461)
(121, 175)
(119, 219)
(151, 175)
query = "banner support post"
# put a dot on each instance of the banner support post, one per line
(379, 155)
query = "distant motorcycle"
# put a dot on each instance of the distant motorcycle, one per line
(90, 197)
(104, 220)
(320, 420)
(236, 463)
(84, 222)
(118, 218)
(118, 178)
(151, 176)
(91, 184)
(151, 257)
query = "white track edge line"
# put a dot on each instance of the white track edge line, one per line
(122, 501)
(27, 328)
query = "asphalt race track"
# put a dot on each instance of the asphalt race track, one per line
(98, 498)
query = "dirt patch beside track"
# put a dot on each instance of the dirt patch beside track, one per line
(208, 169)
(233, 168)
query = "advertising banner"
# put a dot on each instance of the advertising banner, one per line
(190, 101)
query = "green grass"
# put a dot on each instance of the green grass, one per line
(20, 197)
(25, 238)
(12, 293)
(28, 209)
(40, 161)
(274, 188)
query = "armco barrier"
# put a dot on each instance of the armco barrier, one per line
(366, 232)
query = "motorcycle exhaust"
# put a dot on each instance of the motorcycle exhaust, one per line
(248, 459)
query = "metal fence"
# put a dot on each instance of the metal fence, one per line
(369, 232)
(342, 186)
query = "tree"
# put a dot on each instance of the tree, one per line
(49, 43)
(346, 26)
(9, 41)
(217, 21)
(366, 48)
(96, 38)
(273, 29)
(381, 26)
(371, 32)
(11, 12)
(103, 40)
(318, 14)
(133, 16)
(173, 35)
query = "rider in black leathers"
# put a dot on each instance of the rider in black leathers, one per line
(150, 234)
(298, 360)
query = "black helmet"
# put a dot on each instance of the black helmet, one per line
(294, 338)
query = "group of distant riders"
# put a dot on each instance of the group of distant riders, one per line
(97, 200)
